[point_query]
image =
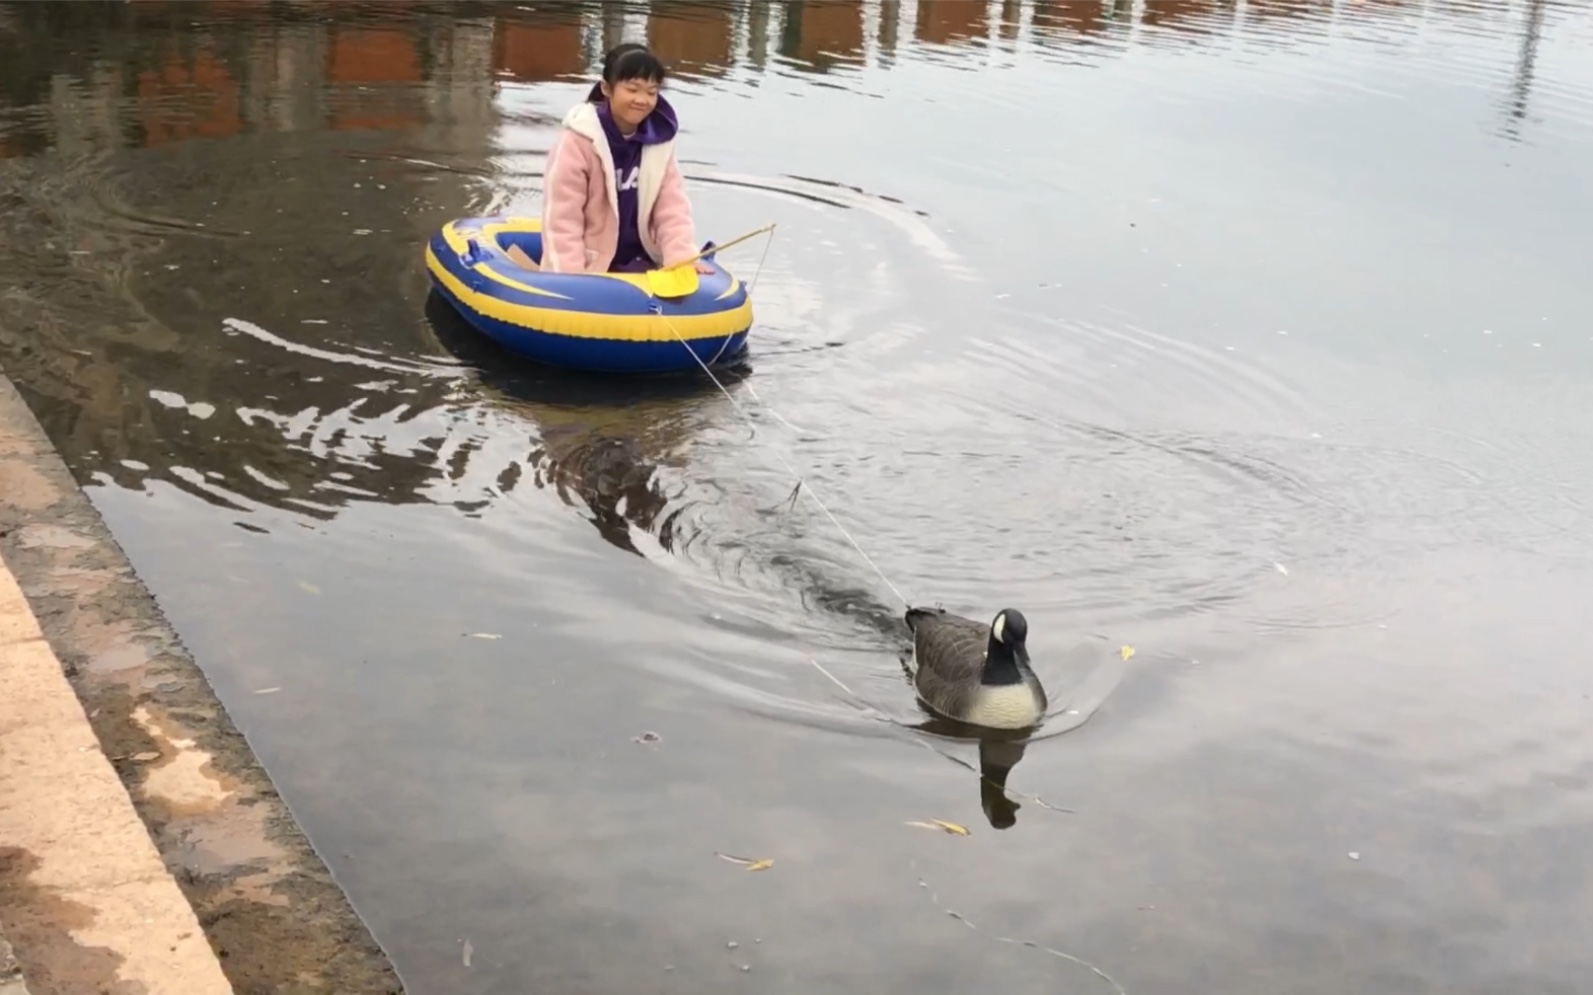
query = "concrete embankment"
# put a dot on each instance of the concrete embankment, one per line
(142, 847)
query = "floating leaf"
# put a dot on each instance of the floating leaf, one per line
(145, 757)
(943, 826)
(646, 737)
(268, 690)
(749, 863)
(483, 635)
(1126, 652)
(309, 587)
(467, 951)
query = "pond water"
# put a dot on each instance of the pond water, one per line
(1255, 336)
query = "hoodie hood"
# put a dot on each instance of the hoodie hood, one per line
(660, 126)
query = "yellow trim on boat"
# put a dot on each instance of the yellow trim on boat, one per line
(460, 243)
(491, 231)
(589, 324)
(455, 240)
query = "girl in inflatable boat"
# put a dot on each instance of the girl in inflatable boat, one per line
(613, 199)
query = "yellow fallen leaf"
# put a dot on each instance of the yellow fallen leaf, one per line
(268, 690)
(145, 757)
(943, 826)
(483, 635)
(309, 587)
(1127, 651)
(748, 862)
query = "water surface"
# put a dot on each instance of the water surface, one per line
(1255, 336)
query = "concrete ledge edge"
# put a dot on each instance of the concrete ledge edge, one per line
(270, 908)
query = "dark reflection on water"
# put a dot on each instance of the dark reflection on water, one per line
(1250, 334)
(600, 440)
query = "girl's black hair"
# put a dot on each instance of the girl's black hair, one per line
(631, 61)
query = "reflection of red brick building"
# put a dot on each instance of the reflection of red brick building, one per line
(196, 100)
(1451, 7)
(377, 57)
(693, 39)
(942, 22)
(1083, 17)
(372, 55)
(829, 33)
(1257, 9)
(536, 52)
(1194, 16)
(1011, 15)
(147, 13)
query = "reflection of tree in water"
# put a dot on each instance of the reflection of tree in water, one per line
(1526, 62)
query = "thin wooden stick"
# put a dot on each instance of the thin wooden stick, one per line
(735, 241)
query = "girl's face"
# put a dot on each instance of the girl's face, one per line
(630, 101)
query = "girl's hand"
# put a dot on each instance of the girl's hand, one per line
(703, 267)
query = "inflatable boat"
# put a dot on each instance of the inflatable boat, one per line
(602, 322)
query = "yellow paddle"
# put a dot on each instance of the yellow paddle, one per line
(680, 280)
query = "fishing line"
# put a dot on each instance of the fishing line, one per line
(803, 486)
(934, 900)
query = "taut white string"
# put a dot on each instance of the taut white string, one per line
(802, 485)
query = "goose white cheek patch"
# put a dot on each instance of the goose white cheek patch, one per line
(999, 629)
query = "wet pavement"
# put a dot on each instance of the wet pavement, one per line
(1254, 336)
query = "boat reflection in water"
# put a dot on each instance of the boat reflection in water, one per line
(602, 440)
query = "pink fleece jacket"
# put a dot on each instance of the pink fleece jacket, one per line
(580, 204)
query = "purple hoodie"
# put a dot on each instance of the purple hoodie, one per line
(659, 126)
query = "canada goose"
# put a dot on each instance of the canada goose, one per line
(975, 673)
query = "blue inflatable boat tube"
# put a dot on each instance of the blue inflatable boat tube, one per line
(603, 322)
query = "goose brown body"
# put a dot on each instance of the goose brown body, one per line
(973, 672)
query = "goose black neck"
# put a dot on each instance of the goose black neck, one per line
(1001, 665)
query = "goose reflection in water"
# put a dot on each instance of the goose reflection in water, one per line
(1095, 670)
(602, 439)
(999, 752)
